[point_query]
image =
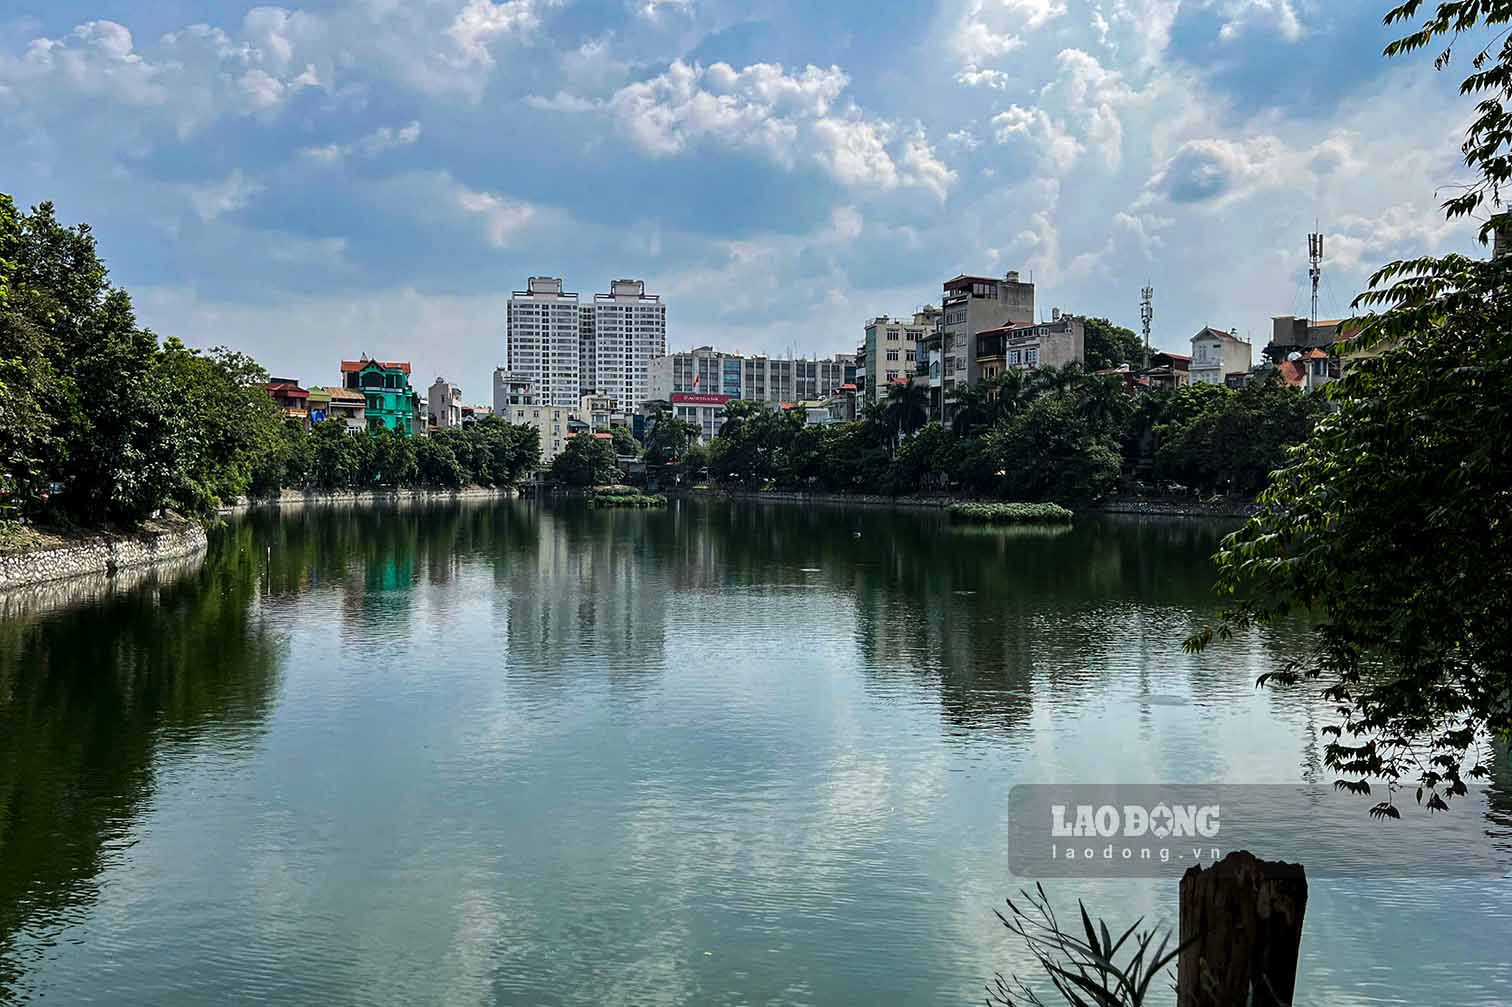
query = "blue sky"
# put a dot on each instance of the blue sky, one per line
(309, 183)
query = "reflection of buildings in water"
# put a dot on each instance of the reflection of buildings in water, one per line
(581, 587)
(93, 702)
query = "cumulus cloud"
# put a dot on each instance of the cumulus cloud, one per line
(784, 116)
(1244, 16)
(974, 76)
(481, 21)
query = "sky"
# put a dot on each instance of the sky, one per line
(309, 183)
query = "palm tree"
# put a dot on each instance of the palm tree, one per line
(1058, 381)
(907, 407)
(969, 408)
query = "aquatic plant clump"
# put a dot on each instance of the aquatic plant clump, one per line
(1010, 513)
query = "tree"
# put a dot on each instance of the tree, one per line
(1391, 529)
(625, 444)
(1108, 346)
(669, 438)
(1051, 452)
(1235, 443)
(336, 456)
(906, 408)
(586, 461)
(436, 465)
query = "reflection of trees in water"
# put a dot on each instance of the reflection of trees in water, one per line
(88, 700)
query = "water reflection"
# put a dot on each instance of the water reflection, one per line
(537, 753)
(90, 700)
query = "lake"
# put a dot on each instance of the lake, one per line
(727, 753)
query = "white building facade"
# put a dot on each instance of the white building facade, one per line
(1217, 354)
(543, 340)
(628, 330)
(890, 349)
(773, 380)
(444, 400)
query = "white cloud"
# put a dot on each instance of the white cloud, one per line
(1260, 15)
(974, 76)
(215, 199)
(503, 219)
(1049, 138)
(97, 59)
(785, 116)
(378, 141)
(482, 20)
(991, 29)
(963, 138)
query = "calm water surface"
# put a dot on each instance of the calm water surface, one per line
(727, 754)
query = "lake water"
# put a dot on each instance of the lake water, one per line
(729, 753)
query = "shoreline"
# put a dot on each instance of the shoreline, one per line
(364, 498)
(102, 554)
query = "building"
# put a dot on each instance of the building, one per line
(626, 331)
(348, 407)
(388, 399)
(1217, 354)
(291, 399)
(773, 380)
(1168, 370)
(1048, 344)
(970, 305)
(444, 402)
(890, 349)
(1312, 347)
(554, 423)
(511, 390)
(844, 404)
(543, 343)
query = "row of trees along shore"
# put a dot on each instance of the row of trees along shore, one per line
(104, 425)
(1061, 434)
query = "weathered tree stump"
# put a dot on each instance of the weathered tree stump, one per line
(1243, 919)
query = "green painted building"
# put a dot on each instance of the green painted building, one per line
(385, 385)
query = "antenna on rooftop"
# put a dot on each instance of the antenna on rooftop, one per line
(1146, 316)
(1315, 269)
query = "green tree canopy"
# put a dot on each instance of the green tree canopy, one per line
(1392, 528)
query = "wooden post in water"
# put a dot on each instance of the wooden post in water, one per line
(1241, 927)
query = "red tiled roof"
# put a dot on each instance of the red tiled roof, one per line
(1316, 354)
(1293, 373)
(286, 389)
(392, 365)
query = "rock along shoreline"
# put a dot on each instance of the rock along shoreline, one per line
(102, 554)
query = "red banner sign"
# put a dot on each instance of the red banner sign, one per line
(700, 399)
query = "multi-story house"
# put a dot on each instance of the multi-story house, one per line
(388, 399)
(1055, 343)
(1216, 355)
(1312, 347)
(347, 406)
(554, 423)
(890, 349)
(292, 399)
(969, 305)
(444, 402)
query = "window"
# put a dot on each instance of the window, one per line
(892, 354)
(1031, 357)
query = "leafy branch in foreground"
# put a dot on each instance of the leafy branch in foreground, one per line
(1391, 528)
(1084, 971)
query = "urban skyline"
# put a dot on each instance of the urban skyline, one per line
(378, 176)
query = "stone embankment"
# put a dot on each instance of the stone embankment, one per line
(57, 559)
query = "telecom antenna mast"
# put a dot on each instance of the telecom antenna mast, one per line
(1146, 316)
(1315, 269)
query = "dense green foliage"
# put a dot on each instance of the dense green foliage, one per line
(586, 461)
(641, 501)
(101, 424)
(1010, 513)
(1392, 530)
(1057, 434)
(1109, 346)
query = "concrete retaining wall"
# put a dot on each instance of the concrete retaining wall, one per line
(103, 555)
(366, 498)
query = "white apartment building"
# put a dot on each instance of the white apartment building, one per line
(890, 349)
(1217, 354)
(774, 380)
(444, 400)
(543, 340)
(511, 390)
(566, 348)
(627, 331)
